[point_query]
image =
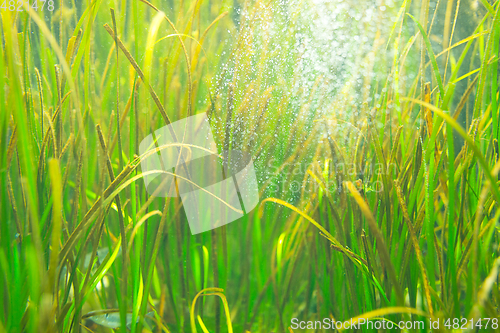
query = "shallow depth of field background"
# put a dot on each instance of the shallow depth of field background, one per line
(373, 128)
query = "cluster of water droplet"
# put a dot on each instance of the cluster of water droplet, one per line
(294, 62)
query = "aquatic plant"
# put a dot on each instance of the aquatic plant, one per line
(374, 132)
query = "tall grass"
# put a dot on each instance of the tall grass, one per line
(379, 192)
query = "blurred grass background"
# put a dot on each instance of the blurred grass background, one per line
(378, 175)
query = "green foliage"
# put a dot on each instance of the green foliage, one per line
(382, 207)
